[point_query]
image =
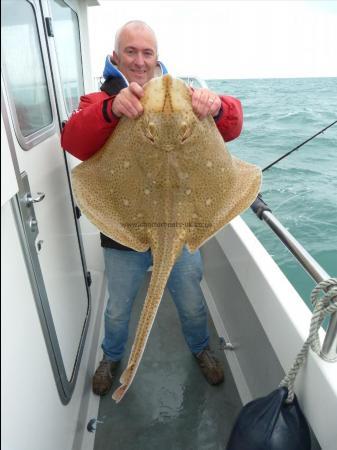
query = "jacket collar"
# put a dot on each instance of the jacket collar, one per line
(111, 71)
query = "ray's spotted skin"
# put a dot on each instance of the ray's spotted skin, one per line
(160, 182)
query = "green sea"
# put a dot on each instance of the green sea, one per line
(301, 190)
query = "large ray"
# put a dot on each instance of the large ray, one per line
(160, 182)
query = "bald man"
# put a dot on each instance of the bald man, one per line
(133, 63)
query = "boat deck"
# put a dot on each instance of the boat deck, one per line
(169, 405)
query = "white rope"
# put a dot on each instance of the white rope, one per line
(323, 306)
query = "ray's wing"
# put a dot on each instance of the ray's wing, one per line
(220, 202)
(112, 191)
(215, 186)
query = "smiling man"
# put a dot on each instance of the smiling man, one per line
(133, 63)
(136, 52)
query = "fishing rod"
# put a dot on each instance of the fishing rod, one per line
(297, 147)
(263, 212)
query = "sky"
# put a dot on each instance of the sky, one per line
(227, 39)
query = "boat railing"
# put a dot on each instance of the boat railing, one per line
(312, 267)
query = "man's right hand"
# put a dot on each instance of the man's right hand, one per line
(127, 101)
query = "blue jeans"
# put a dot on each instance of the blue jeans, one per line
(125, 272)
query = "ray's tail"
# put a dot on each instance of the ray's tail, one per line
(166, 247)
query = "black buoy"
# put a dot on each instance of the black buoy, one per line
(270, 423)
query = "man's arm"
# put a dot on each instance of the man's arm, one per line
(225, 110)
(230, 118)
(89, 126)
(96, 118)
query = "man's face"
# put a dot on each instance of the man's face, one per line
(137, 55)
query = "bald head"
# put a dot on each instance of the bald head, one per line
(135, 51)
(134, 26)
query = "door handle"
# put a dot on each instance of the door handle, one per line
(29, 199)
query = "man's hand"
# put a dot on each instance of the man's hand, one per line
(127, 101)
(205, 103)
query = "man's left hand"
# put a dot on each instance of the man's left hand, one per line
(205, 103)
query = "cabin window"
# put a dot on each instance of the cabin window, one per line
(68, 51)
(23, 65)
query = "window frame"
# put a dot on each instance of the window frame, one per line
(66, 3)
(30, 141)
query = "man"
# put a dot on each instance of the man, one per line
(134, 62)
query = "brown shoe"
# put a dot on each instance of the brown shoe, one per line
(104, 376)
(210, 366)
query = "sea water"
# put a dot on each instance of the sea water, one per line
(301, 190)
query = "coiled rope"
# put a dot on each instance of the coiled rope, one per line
(323, 306)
